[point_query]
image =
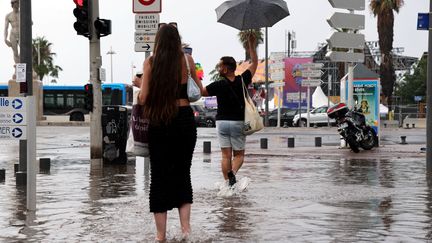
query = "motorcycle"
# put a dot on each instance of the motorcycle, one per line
(353, 128)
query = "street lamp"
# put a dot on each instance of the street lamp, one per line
(111, 52)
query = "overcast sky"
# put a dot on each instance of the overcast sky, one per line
(198, 26)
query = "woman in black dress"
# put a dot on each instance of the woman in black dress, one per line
(172, 132)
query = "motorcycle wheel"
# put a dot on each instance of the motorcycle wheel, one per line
(370, 137)
(353, 144)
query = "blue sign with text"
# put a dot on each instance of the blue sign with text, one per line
(423, 21)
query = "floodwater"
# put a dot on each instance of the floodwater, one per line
(287, 200)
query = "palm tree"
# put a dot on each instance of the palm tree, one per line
(243, 38)
(43, 64)
(384, 10)
(214, 74)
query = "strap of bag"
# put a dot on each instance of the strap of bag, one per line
(187, 65)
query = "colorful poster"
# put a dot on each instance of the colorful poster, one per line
(292, 79)
(366, 100)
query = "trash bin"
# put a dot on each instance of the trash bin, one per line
(115, 128)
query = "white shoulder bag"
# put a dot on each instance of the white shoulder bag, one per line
(193, 91)
(253, 121)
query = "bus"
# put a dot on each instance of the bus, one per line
(69, 100)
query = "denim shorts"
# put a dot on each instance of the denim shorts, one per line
(230, 134)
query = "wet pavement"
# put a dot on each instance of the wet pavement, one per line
(301, 194)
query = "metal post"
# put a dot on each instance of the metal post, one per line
(350, 86)
(329, 83)
(95, 65)
(26, 57)
(266, 79)
(429, 98)
(308, 106)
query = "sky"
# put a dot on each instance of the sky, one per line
(198, 27)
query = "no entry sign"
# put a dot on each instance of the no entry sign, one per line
(147, 6)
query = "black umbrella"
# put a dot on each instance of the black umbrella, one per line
(253, 14)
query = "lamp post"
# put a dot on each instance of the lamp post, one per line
(111, 53)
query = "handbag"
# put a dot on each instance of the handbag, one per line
(139, 128)
(193, 91)
(253, 122)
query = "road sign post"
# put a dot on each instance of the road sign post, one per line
(311, 73)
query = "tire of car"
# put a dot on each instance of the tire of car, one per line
(302, 122)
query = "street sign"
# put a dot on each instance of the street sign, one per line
(145, 36)
(347, 21)
(311, 65)
(21, 72)
(12, 132)
(277, 84)
(423, 21)
(147, 6)
(277, 65)
(12, 104)
(277, 76)
(311, 82)
(336, 56)
(102, 74)
(144, 47)
(348, 4)
(147, 21)
(310, 73)
(276, 56)
(13, 119)
(346, 40)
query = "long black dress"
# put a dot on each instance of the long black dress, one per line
(171, 149)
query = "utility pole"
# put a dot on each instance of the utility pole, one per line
(429, 98)
(111, 52)
(95, 65)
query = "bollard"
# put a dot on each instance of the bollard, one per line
(318, 141)
(263, 142)
(21, 178)
(291, 142)
(44, 164)
(413, 125)
(403, 140)
(385, 125)
(2, 175)
(407, 125)
(285, 125)
(207, 147)
(16, 168)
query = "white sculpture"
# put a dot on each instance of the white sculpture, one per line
(13, 19)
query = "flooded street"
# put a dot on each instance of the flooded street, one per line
(290, 198)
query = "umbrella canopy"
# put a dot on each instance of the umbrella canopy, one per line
(251, 14)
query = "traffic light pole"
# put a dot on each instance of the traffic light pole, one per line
(95, 65)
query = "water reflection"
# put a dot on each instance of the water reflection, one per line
(428, 205)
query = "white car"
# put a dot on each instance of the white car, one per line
(317, 116)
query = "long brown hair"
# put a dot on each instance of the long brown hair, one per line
(166, 75)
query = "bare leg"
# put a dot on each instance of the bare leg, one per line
(238, 160)
(184, 213)
(226, 161)
(160, 220)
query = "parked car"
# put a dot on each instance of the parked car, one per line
(204, 117)
(286, 116)
(317, 116)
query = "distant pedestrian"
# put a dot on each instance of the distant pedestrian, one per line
(230, 112)
(172, 132)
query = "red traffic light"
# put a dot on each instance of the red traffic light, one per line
(79, 2)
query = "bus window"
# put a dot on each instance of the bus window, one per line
(79, 101)
(69, 101)
(49, 102)
(60, 100)
(129, 95)
(116, 98)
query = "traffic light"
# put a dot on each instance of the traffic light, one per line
(88, 100)
(82, 14)
(103, 27)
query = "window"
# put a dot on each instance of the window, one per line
(60, 100)
(49, 101)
